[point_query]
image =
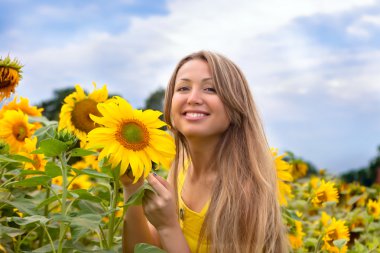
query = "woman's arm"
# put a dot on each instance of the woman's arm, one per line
(160, 210)
(136, 228)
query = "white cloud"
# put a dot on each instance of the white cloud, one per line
(363, 26)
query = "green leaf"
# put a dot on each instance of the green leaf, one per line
(311, 242)
(33, 181)
(4, 193)
(8, 159)
(46, 248)
(84, 194)
(20, 158)
(46, 132)
(88, 220)
(31, 172)
(11, 232)
(22, 204)
(147, 248)
(81, 224)
(30, 219)
(48, 201)
(339, 243)
(136, 198)
(53, 170)
(51, 147)
(82, 152)
(91, 172)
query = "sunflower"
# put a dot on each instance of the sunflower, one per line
(296, 235)
(283, 177)
(23, 105)
(299, 169)
(335, 231)
(373, 208)
(14, 129)
(131, 138)
(326, 192)
(10, 75)
(76, 110)
(39, 161)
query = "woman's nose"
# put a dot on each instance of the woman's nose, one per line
(195, 97)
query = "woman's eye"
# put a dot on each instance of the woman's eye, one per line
(182, 88)
(210, 89)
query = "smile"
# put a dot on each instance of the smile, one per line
(195, 115)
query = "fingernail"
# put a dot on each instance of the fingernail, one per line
(154, 174)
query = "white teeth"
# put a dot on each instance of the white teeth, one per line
(195, 115)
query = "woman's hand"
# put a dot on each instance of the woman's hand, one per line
(127, 181)
(159, 207)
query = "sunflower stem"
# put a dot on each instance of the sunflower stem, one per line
(46, 213)
(63, 225)
(318, 243)
(113, 204)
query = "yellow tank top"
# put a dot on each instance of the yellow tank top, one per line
(191, 221)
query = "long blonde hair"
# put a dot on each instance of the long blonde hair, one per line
(244, 215)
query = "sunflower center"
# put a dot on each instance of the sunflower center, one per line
(20, 132)
(4, 84)
(133, 135)
(333, 235)
(322, 196)
(80, 116)
(8, 76)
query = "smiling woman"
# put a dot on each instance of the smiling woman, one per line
(221, 193)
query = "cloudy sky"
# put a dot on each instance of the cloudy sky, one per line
(313, 65)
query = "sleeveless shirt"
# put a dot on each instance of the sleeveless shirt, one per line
(191, 221)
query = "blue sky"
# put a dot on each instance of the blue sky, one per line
(313, 66)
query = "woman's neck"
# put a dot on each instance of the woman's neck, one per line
(201, 152)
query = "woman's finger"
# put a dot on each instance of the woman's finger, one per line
(157, 185)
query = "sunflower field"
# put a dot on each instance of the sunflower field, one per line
(60, 189)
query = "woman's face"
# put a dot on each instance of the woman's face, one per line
(196, 109)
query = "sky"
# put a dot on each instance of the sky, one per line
(313, 65)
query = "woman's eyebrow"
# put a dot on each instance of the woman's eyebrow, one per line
(203, 80)
(207, 79)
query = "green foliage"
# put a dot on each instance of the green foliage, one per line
(365, 175)
(155, 101)
(147, 248)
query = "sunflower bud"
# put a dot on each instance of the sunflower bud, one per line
(67, 137)
(10, 75)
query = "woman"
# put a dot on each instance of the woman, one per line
(221, 193)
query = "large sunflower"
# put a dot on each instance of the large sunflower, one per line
(10, 75)
(326, 192)
(14, 129)
(131, 137)
(76, 110)
(335, 231)
(23, 105)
